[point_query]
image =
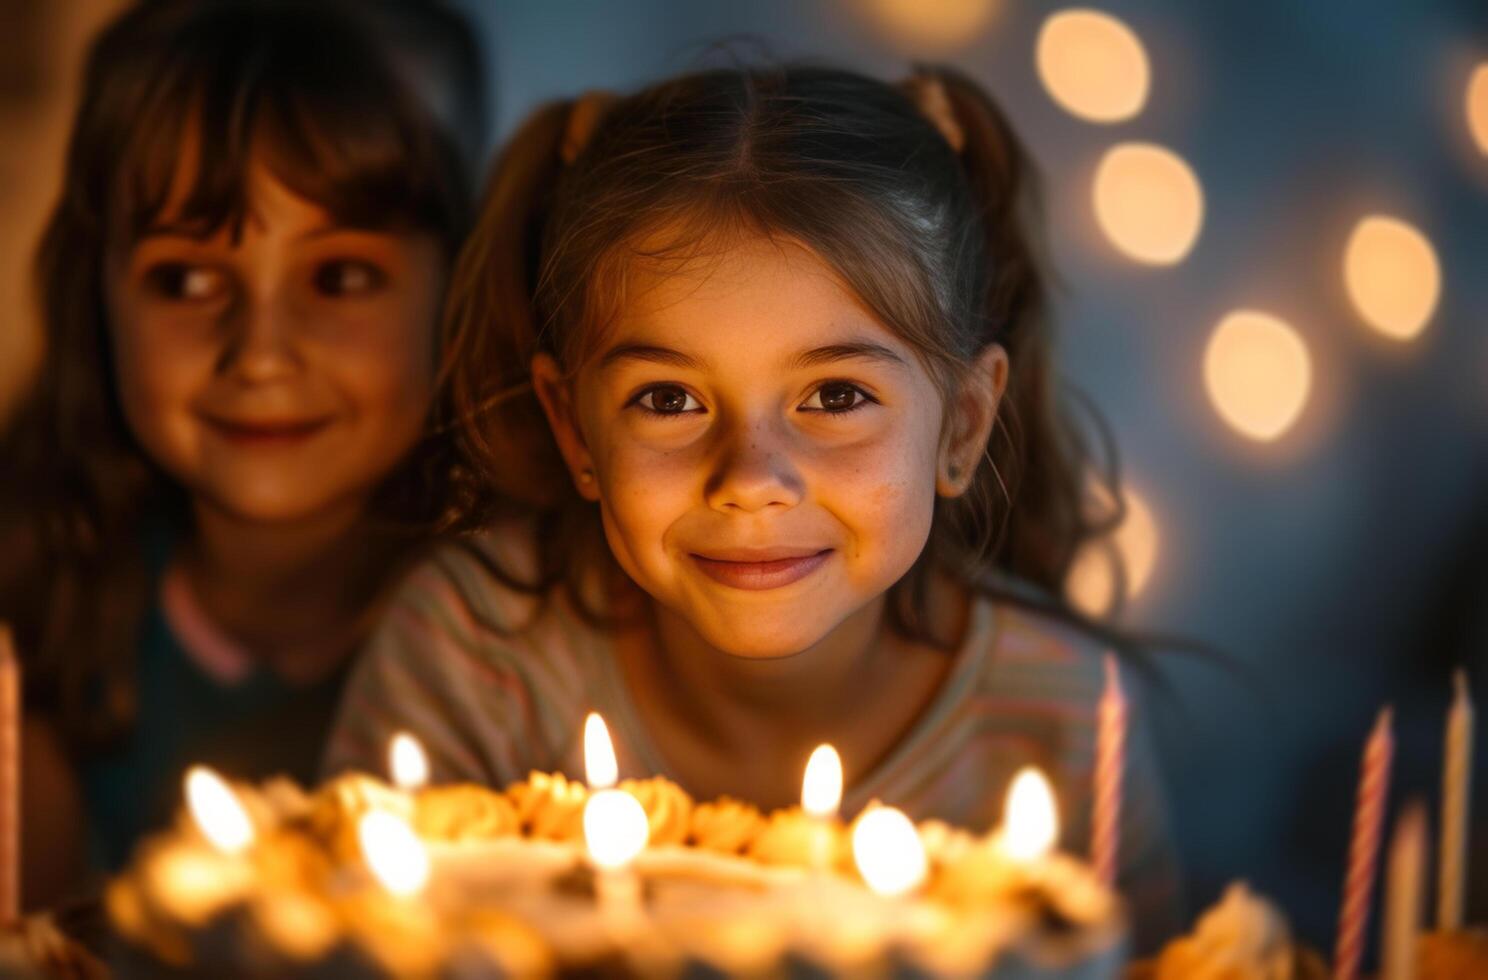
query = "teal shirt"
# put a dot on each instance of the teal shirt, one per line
(250, 730)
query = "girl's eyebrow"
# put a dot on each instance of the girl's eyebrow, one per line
(864, 349)
(650, 353)
(814, 357)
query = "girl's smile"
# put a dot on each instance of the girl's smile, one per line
(769, 568)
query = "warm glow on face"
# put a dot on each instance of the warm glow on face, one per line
(933, 24)
(1092, 65)
(1392, 276)
(407, 762)
(821, 789)
(600, 768)
(1258, 374)
(615, 828)
(1092, 580)
(1030, 821)
(1477, 107)
(216, 810)
(888, 851)
(393, 851)
(1148, 202)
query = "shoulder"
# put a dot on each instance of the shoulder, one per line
(1039, 654)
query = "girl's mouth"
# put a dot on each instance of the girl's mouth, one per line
(764, 573)
(276, 432)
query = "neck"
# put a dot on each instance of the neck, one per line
(293, 593)
(741, 725)
(808, 688)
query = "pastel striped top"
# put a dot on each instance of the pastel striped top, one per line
(496, 683)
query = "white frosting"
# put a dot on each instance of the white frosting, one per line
(1240, 938)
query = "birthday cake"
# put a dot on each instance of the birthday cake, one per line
(363, 879)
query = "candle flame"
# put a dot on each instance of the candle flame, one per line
(393, 852)
(1030, 819)
(600, 767)
(217, 811)
(821, 789)
(407, 762)
(615, 828)
(888, 851)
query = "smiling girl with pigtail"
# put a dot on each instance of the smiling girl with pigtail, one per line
(754, 390)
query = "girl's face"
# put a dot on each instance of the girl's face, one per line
(282, 375)
(765, 453)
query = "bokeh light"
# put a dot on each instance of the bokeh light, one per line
(1258, 374)
(1392, 276)
(933, 24)
(1092, 65)
(1093, 580)
(1148, 202)
(1477, 107)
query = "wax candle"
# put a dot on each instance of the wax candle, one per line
(1456, 794)
(1404, 891)
(888, 851)
(407, 763)
(1110, 769)
(10, 779)
(616, 830)
(1374, 786)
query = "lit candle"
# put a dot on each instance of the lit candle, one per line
(1374, 786)
(393, 853)
(821, 787)
(615, 827)
(1030, 820)
(407, 763)
(1404, 891)
(888, 851)
(10, 780)
(1456, 794)
(217, 812)
(1110, 768)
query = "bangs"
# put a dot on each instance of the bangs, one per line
(299, 91)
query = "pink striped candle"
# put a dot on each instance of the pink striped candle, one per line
(1110, 768)
(10, 780)
(1358, 886)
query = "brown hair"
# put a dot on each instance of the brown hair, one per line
(313, 88)
(939, 244)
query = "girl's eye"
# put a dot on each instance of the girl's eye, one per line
(348, 277)
(667, 400)
(186, 283)
(836, 397)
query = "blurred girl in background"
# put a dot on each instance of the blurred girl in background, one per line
(223, 463)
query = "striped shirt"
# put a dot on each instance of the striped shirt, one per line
(496, 683)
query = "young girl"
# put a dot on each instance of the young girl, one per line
(221, 465)
(786, 328)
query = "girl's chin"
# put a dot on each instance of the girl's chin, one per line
(749, 642)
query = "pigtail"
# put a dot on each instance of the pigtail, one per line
(1035, 470)
(491, 330)
(507, 465)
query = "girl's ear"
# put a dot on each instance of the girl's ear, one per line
(557, 402)
(969, 421)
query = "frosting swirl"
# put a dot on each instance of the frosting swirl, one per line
(550, 806)
(1240, 938)
(726, 825)
(667, 805)
(794, 838)
(463, 811)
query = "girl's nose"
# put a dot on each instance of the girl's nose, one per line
(261, 342)
(754, 472)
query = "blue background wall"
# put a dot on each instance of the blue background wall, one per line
(1346, 566)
